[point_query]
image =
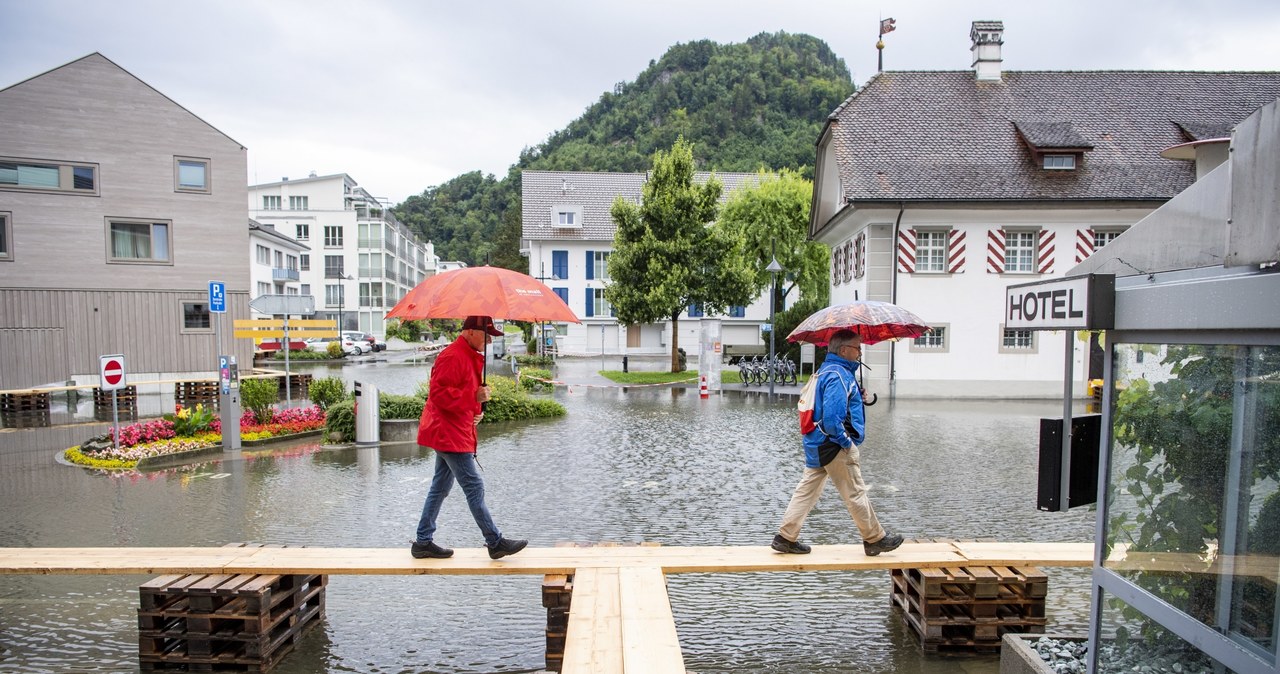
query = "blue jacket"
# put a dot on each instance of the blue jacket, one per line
(837, 400)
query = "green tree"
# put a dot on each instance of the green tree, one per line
(773, 219)
(666, 255)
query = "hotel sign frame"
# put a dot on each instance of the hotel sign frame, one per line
(1077, 303)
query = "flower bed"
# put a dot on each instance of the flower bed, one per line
(149, 440)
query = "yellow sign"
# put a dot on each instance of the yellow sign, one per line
(273, 328)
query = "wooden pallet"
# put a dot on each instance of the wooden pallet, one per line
(235, 622)
(968, 609)
(126, 399)
(24, 403)
(191, 393)
(299, 384)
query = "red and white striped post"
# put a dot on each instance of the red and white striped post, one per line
(702, 387)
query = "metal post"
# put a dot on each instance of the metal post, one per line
(602, 347)
(1065, 481)
(288, 394)
(773, 269)
(115, 420)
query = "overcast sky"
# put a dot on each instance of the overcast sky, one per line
(404, 95)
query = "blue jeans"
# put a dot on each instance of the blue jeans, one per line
(462, 467)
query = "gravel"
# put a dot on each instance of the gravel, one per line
(1122, 655)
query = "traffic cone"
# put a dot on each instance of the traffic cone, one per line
(702, 387)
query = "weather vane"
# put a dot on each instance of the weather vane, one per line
(886, 26)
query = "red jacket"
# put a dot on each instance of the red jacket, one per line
(448, 418)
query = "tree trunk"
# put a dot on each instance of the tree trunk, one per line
(675, 342)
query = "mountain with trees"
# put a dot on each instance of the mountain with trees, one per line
(744, 107)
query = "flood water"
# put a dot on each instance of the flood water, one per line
(655, 464)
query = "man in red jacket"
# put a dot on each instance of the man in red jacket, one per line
(448, 426)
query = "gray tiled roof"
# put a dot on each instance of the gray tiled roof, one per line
(945, 136)
(1050, 135)
(594, 193)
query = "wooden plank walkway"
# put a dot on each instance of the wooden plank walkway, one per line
(620, 619)
(532, 561)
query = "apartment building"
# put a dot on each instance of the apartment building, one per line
(360, 260)
(567, 234)
(117, 207)
(274, 260)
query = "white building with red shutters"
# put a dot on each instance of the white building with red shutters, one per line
(936, 190)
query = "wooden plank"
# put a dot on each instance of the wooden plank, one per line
(649, 641)
(475, 561)
(593, 641)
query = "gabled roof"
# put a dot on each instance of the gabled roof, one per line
(594, 193)
(96, 56)
(269, 231)
(943, 136)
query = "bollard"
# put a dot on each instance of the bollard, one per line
(367, 417)
(624, 363)
(702, 387)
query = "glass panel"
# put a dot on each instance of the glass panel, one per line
(191, 175)
(1132, 642)
(160, 241)
(195, 316)
(29, 175)
(130, 240)
(1193, 514)
(82, 177)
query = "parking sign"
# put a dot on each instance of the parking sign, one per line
(217, 297)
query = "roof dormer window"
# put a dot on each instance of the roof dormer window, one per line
(1060, 162)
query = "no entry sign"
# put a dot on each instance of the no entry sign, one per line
(112, 371)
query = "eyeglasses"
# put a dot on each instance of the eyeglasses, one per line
(851, 346)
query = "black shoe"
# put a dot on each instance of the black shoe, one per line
(793, 547)
(889, 543)
(429, 549)
(506, 546)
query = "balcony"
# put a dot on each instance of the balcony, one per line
(284, 274)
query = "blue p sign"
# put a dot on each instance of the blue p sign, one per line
(217, 297)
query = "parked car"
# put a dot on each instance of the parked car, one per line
(349, 346)
(373, 343)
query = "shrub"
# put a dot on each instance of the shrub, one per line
(534, 360)
(299, 354)
(341, 420)
(424, 387)
(529, 379)
(327, 391)
(392, 406)
(259, 395)
(507, 403)
(335, 350)
(189, 421)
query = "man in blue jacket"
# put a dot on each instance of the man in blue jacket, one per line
(831, 450)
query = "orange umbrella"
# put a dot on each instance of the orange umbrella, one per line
(483, 291)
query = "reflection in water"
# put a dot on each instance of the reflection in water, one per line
(647, 465)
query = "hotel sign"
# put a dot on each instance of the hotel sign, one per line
(1078, 303)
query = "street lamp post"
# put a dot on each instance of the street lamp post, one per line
(541, 336)
(342, 300)
(773, 269)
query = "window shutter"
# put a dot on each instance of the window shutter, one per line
(591, 265)
(590, 303)
(860, 255)
(847, 267)
(1084, 244)
(835, 265)
(907, 251)
(955, 251)
(995, 251)
(1045, 248)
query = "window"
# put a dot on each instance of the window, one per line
(931, 251)
(1102, 237)
(1060, 162)
(332, 295)
(933, 341)
(264, 255)
(333, 236)
(298, 203)
(137, 241)
(191, 174)
(333, 266)
(279, 259)
(304, 232)
(1020, 251)
(600, 265)
(291, 262)
(695, 311)
(370, 235)
(1017, 341)
(305, 262)
(290, 291)
(737, 312)
(74, 178)
(6, 237)
(560, 264)
(565, 218)
(306, 288)
(195, 317)
(562, 293)
(270, 203)
(264, 288)
(601, 304)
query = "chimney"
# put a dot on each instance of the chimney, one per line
(987, 37)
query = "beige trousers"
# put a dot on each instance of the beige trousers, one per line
(846, 475)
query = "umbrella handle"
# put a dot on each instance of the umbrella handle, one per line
(871, 402)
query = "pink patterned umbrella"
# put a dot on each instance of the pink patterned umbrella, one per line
(874, 321)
